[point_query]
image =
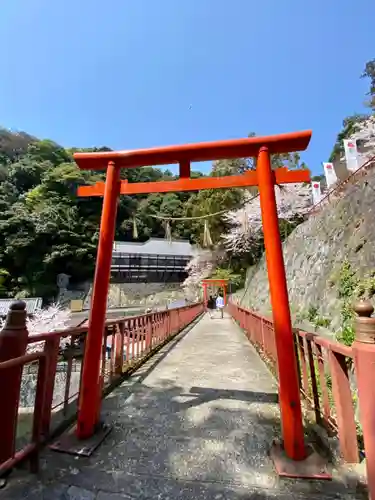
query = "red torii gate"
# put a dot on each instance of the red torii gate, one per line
(220, 283)
(263, 177)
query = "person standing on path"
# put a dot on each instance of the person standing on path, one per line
(220, 305)
(211, 306)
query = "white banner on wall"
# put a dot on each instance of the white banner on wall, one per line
(351, 154)
(329, 171)
(316, 193)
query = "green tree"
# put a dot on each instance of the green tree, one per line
(47, 150)
(46, 229)
(236, 280)
(26, 173)
(369, 72)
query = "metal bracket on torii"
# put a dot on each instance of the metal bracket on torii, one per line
(290, 458)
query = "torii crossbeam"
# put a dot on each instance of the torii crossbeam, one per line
(265, 178)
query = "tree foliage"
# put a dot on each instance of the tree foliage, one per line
(349, 127)
(236, 280)
(46, 229)
(246, 233)
(369, 72)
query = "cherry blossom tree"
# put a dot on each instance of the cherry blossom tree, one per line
(293, 200)
(200, 267)
(51, 319)
(365, 133)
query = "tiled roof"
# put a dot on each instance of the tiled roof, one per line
(32, 305)
(155, 246)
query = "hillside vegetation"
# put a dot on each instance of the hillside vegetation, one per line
(46, 229)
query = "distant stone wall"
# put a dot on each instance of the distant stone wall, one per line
(144, 289)
(66, 296)
(126, 294)
(134, 294)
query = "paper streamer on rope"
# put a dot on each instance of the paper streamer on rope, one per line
(207, 240)
(245, 222)
(168, 232)
(135, 229)
(329, 171)
(316, 193)
(351, 154)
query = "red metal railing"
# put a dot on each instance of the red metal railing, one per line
(326, 376)
(126, 343)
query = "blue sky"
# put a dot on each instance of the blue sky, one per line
(141, 73)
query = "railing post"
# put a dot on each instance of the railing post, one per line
(364, 359)
(205, 296)
(263, 339)
(119, 349)
(342, 396)
(149, 333)
(13, 344)
(51, 350)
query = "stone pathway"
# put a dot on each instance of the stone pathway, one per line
(195, 422)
